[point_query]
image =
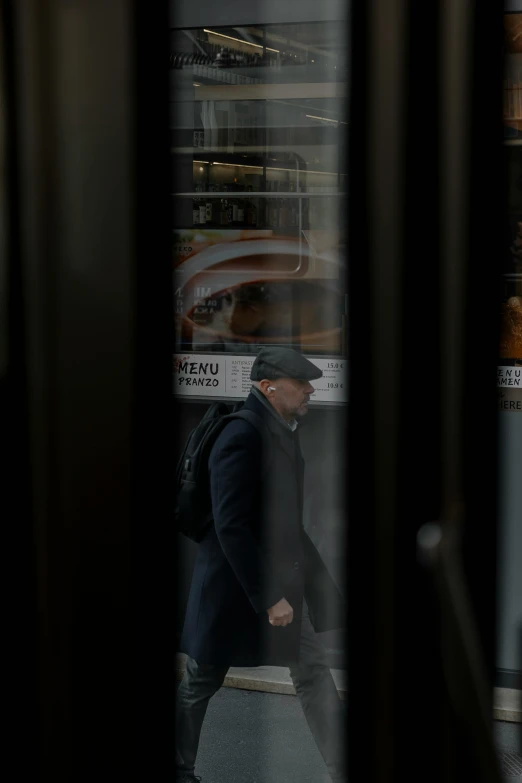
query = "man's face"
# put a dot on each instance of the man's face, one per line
(291, 397)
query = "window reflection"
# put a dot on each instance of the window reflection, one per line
(509, 373)
(258, 144)
(258, 126)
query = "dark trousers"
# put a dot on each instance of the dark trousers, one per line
(315, 689)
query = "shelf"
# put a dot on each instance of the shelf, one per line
(245, 194)
(222, 76)
(284, 169)
(272, 91)
(241, 227)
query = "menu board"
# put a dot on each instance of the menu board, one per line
(227, 376)
(509, 376)
(509, 383)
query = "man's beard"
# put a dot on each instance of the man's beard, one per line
(301, 416)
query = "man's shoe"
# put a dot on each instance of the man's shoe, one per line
(188, 778)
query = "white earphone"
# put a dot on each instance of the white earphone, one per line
(271, 388)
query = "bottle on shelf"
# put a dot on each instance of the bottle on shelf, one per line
(305, 212)
(273, 213)
(224, 59)
(293, 212)
(283, 213)
(252, 214)
(223, 212)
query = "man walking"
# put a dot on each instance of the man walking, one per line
(260, 590)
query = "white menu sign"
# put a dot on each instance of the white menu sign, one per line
(228, 376)
(509, 377)
(509, 383)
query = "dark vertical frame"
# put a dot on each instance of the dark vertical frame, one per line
(154, 417)
(376, 146)
(20, 605)
(426, 193)
(95, 303)
(487, 207)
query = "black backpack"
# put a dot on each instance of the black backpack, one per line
(193, 510)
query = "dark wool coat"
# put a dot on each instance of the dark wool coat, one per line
(257, 552)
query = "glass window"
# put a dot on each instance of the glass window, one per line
(258, 146)
(510, 371)
(258, 150)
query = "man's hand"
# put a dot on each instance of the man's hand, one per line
(281, 613)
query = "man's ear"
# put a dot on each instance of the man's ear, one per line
(266, 387)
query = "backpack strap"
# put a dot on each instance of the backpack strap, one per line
(258, 423)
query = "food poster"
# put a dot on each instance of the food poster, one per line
(237, 290)
(509, 371)
(511, 309)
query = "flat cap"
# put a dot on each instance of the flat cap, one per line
(275, 362)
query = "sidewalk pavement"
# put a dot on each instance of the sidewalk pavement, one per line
(507, 703)
(251, 736)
